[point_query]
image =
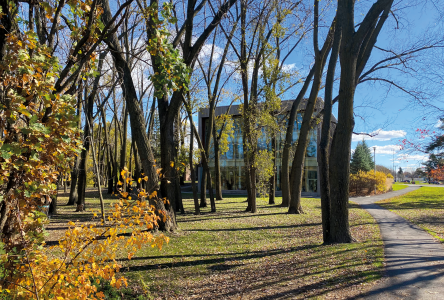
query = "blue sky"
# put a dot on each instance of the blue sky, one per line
(392, 115)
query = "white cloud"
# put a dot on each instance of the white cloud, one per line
(380, 135)
(205, 53)
(409, 157)
(438, 124)
(387, 149)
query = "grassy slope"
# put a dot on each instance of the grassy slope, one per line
(268, 255)
(398, 186)
(424, 207)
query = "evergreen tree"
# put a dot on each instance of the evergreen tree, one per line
(401, 173)
(361, 159)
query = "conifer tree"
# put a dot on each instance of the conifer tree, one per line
(361, 159)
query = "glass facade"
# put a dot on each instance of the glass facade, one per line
(232, 162)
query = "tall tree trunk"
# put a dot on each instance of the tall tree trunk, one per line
(177, 127)
(326, 137)
(81, 185)
(298, 162)
(87, 136)
(272, 183)
(137, 120)
(285, 172)
(123, 150)
(109, 151)
(193, 174)
(75, 170)
(354, 53)
(217, 164)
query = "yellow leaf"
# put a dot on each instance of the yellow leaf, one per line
(139, 180)
(172, 164)
(145, 178)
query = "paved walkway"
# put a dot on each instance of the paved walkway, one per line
(414, 260)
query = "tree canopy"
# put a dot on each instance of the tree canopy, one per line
(362, 159)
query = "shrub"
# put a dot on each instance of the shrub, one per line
(364, 182)
(390, 176)
(65, 271)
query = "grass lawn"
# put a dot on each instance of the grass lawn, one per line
(424, 207)
(232, 254)
(398, 186)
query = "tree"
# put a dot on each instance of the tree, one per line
(354, 52)
(362, 159)
(383, 169)
(400, 173)
(419, 173)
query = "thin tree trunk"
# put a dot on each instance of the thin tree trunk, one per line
(217, 164)
(123, 150)
(75, 170)
(299, 158)
(272, 194)
(325, 141)
(102, 206)
(193, 175)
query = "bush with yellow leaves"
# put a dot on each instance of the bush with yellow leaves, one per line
(86, 252)
(364, 182)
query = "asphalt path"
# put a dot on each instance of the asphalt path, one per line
(414, 259)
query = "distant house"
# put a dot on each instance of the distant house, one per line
(232, 162)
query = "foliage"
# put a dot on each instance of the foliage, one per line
(389, 176)
(35, 148)
(362, 182)
(171, 72)
(265, 169)
(225, 128)
(65, 271)
(361, 159)
(383, 169)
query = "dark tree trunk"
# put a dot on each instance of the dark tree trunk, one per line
(123, 150)
(203, 187)
(218, 182)
(88, 133)
(73, 196)
(285, 173)
(272, 194)
(354, 53)
(299, 158)
(137, 120)
(81, 185)
(193, 175)
(326, 137)
(179, 206)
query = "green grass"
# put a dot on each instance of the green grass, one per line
(398, 186)
(423, 207)
(235, 254)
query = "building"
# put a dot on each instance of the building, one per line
(232, 162)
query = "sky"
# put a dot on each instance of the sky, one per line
(391, 115)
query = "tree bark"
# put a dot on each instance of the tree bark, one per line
(218, 182)
(285, 173)
(272, 194)
(193, 174)
(75, 170)
(354, 53)
(299, 157)
(325, 141)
